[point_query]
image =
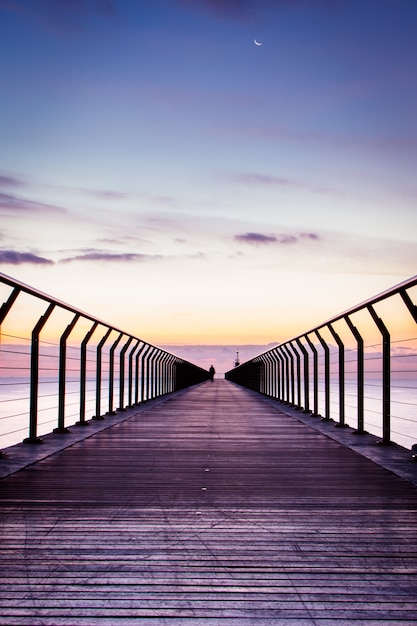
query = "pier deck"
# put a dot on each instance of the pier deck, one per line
(215, 508)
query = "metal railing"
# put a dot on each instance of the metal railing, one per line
(358, 368)
(82, 365)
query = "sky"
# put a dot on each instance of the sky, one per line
(162, 171)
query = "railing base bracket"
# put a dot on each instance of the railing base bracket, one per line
(381, 442)
(84, 423)
(98, 417)
(61, 431)
(36, 440)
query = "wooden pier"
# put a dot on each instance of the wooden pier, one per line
(215, 508)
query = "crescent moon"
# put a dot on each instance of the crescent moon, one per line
(257, 43)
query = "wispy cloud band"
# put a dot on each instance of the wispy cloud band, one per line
(12, 257)
(282, 239)
(126, 257)
(12, 203)
(258, 179)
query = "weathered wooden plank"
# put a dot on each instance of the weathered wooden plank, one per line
(210, 508)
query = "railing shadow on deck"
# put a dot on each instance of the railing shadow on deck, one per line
(359, 368)
(57, 364)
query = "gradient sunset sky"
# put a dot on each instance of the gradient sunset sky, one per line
(160, 170)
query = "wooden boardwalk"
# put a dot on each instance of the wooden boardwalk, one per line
(211, 508)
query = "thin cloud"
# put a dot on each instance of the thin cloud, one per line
(113, 257)
(110, 195)
(11, 202)
(11, 181)
(11, 257)
(257, 239)
(104, 194)
(266, 180)
(254, 178)
(341, 142)
(100, 256)
(196, 256)
(310, 236)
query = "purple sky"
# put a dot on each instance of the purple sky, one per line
(161, 171)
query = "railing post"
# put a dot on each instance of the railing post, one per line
(6, 306)
(263, 387)
(174, 374)
(172, 362)
(83, 372)
(34, 376)
(286, 371)
(326, 376)
(122, 374)
(165, 379)
(111, 373)
(263, 374)
(166, 373)
(298, 359)
(100, 345)
(131, 353)
(315, 376)
(275, 361)
(271, 375)
(291, 374)
(341, 375)
(137, 370)
(63, 375)
(282, 364)
(409, 304)
(360, 374)
(277, 374)
(145, 374)
(386, 376)
(160, 372)
(149, 373)
(155, 372)
(306, 376)
(268, 375)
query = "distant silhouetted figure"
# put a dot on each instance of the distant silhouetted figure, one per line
(212, 371)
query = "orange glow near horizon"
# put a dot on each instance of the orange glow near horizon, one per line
(227, 328)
